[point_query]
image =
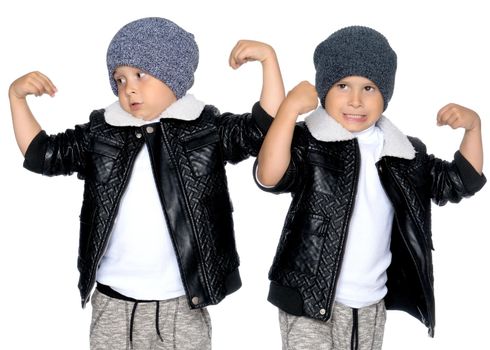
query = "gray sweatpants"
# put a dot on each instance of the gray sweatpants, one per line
(347, 329)
(164, 325)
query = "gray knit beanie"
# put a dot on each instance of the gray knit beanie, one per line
(159, 47)
(355, 50)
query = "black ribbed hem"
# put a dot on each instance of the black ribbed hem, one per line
(261, 117)
(32, 159)
(472, 180)
(233, 282)
(286, 298)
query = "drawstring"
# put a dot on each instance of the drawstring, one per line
(354, 341)
(157, 317)
(131, 322)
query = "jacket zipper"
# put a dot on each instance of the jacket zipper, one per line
(346, 232)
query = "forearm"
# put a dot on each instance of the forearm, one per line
(25, 125)
(275, 153)
(472, 147)
(272, 87)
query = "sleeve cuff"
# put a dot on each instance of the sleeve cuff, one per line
(261, 117)
(34, 156)
(256, 177)
(284, 183)
(472, 180)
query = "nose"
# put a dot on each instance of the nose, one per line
(355, 99)
(130, 88)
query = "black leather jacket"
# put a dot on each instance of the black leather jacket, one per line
(322, 178)
(188, 159)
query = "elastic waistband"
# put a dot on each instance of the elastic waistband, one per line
(108, 291)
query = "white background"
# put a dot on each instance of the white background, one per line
(443, 54)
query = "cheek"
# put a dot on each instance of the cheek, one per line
(378, 108)
(123, 102)
(334, 101)
(378, 103)
(121, 96)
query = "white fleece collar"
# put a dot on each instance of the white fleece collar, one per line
(186, 108)
(324, 128)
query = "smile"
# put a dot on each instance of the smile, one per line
(355, 117)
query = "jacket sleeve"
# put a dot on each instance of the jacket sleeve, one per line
(60, 154)
(242, 135)
(451, 181)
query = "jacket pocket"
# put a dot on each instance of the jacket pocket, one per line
(305, 244)
(103, 154)
(203, 152)
(325, 170)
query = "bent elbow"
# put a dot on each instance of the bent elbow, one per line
(266, 178)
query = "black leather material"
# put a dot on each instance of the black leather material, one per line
(322, 178)
(188, 159)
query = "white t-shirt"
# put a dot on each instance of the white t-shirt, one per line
(140, 260)
(362, 280)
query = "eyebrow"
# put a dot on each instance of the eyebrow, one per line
(117, 74)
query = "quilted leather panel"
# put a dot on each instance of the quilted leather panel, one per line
(315, 269)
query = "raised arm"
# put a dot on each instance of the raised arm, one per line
(25, 125)
(272, 85)
(471, 147)
(275, 153)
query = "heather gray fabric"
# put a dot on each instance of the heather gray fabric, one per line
(159, 47)
(304, 333)
(114, 324)
(355, 50)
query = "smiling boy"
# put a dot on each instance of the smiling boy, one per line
(357, 237)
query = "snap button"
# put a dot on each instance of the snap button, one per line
(149, 129)
(195, 300)
(323, 311)
(139, 135)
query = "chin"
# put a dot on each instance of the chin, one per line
(356, 128)
(137, 116)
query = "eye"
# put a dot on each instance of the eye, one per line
(342, 86)
(141, 74)
(120, 80)
(370, 88)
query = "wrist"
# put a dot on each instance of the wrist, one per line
(475, 126)
(270, 55)
(292, 106)
(14, 96)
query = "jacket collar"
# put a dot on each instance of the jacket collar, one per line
(324, 128)
(186, 108)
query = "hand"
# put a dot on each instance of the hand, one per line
(249, 50)
(302, 98)
(34, 83)
(457, 116)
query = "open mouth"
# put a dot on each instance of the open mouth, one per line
(355, 117)
(135, 105)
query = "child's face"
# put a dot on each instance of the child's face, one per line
(140, 94)
(355, 102)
